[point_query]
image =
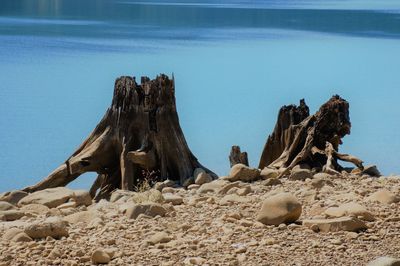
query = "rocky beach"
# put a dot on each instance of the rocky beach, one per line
(248, 217)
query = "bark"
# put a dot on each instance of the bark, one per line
(139, 133)
(236, 156)
(299, 138)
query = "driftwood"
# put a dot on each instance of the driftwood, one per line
(299, 138)
(139, 134)
(236, 156)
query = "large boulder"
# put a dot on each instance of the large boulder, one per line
(350, 209)
(52, 226)
(13, 197)
(51, 197)
(384, 196)
(149, 209)
(202, 178)
(241, 172)
(281, 208)
(337, 224)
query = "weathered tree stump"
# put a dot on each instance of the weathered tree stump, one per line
(299, 138)
(236, 156)
(139, 134)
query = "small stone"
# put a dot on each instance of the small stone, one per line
(243, 173)
(150, 209)
(243, 191)
(160, 237)
(268, 173)
(11, 215)
(193, 187)
(35, 208)
(350, 209)
(272, 182)
(52, 226)
(240, 250)
(82, 197)
(99, 256)
(202, 178)
(194, 261)
(233, 198)
(384, 196)
(51, 197)
(173, 198)
(300, 174)
(337, 224)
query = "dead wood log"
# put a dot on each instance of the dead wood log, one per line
(140, 132)
(299, 138)
(236, 156)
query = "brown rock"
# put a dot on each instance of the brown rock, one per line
(202, 178)
(173, 199)
(99, 256)
(5, 206)
(281, 208)
(268, 173)
(159, 237)
(350, 209)
(337, 224)
(51, 197)
(384, 196)
(52, 226)
(13, 197)
(82, 197)
(243, 173)
(149, 209)
(35, 208)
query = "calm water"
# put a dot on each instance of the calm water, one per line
(235, 64)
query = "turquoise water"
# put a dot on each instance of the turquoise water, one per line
(235, 64)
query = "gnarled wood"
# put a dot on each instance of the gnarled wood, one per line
(314, 140)
(236, 156)
(139, 132)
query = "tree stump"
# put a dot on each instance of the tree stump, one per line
(299, 138)
(139, 134)
(236, 156)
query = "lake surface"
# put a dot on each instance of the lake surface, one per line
(235, 63)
